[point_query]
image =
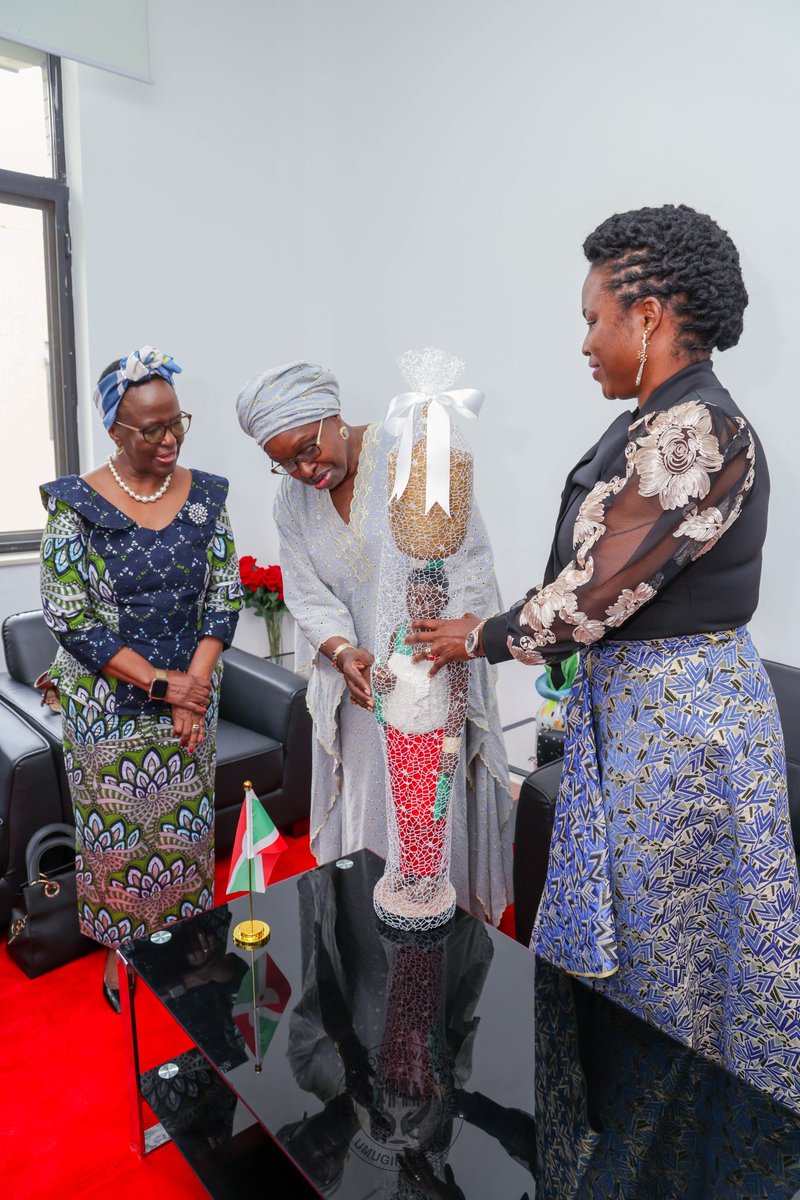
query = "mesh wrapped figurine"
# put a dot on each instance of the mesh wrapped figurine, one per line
(423, 575)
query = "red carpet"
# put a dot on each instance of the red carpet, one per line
(63, 1101)
(63, 1108)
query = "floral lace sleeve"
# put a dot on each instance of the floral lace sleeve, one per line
(64, 578)
(688, 472)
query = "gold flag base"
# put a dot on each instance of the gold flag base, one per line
(248, 935)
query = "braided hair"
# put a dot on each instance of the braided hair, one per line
(685, 260)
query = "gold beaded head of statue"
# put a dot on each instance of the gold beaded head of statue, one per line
(430, 479)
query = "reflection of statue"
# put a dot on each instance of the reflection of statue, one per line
(623, 1110)
(383, 1036)
(424, 574)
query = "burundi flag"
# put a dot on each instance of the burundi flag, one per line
(263, 996)
(257, 841)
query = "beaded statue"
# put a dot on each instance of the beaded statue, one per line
(424, 572)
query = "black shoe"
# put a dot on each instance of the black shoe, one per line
(111, 997)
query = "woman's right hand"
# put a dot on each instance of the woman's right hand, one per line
(354, 663)
(188, 691)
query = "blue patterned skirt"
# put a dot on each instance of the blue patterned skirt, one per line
(672, 884)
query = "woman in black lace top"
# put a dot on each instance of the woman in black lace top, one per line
(672, 883)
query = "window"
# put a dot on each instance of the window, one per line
(38, 410)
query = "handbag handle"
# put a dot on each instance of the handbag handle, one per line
(57, 834)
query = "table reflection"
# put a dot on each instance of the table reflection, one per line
(623, 1111)
(398, 1048)
(383, 1036)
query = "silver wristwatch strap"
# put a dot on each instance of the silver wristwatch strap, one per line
(472, 639)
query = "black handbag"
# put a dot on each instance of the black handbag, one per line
(44, 931)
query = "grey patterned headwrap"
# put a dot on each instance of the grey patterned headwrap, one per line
(284, 398)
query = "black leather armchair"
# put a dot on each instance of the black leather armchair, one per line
(30, 647)
(264, 735)
(264, 730)
(29, 798)
(537, 798)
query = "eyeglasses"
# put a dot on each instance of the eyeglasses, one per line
(287, 466)
(155, 434)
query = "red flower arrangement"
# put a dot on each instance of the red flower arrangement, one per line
(263, 591)
(263, 585)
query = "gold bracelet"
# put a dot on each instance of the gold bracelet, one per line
(335, 655)
(451, 745)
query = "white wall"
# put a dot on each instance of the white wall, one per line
(187, 233)
(190, 226)
(463, 150)
(346, 180)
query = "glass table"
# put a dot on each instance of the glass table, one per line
(343, 1058)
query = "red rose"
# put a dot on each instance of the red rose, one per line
(254, 578)
(275, 580)
(247, 572)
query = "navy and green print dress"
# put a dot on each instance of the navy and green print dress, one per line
(144, 806)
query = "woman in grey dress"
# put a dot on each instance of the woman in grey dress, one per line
(331, 517)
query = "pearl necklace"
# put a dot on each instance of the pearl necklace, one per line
(135, 495)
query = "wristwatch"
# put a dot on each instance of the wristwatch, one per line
(159, 686)
(473, 640)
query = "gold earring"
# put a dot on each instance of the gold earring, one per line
(119, 447)
(642, 356)
(344, 432)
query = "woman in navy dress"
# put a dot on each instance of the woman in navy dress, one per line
(140, 586)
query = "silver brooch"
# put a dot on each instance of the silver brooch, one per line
(198, 513)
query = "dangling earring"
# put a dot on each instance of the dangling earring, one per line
(642, 356)
(344, 432)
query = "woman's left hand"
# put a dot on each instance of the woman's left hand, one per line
(189, 727)
(442, 641)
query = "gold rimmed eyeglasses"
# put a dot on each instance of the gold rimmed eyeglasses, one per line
(287, 466)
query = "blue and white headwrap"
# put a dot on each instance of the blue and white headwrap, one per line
(140, 364)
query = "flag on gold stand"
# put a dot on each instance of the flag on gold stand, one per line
(257, 847)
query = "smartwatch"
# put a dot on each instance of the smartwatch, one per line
(473, 640)
(159, 686)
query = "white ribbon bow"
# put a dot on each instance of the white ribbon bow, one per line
(400, 422)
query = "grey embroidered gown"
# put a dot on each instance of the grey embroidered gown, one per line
(330, 573)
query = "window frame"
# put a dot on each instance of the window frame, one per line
(51, 198)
